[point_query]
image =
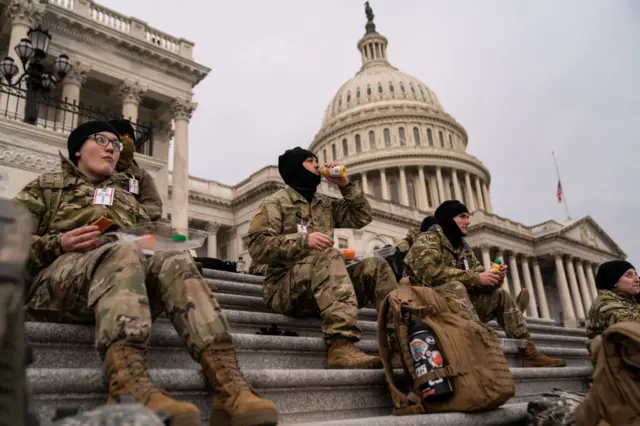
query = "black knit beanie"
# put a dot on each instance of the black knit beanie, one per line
(124, 127)
(610, 272)
(80, 134)
(444, 215)
(427, 223)
(295, 175)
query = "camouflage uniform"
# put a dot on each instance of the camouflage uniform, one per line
(113, 285)
(609, 308)
(408, 240)
(556, 408)
(257, 269)
(148, 194)
(302, 281)
(433, 261)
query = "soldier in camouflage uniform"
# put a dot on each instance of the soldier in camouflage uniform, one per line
(306, 276)
(80, 279)
(617, 283)
(442, 259)
(141, 183)
(257, 269)
(412, 235)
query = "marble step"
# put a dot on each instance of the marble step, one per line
(71, 346)
(304, 395)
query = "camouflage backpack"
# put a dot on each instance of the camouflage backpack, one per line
(52, 185)
(125, 413)
(556, 408)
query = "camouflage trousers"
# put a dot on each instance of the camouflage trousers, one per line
(322, 285)
(501, 306)
(120, 290)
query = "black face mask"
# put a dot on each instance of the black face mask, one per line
(452, 231)
(304, 182)
(444, 215)
(291, 168)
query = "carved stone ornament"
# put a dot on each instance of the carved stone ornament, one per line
(26, 12)
(182, 109)
(357, 233)
(212, 227)
(77, 75)
(587, 235)
(28, 159)
(131, 91)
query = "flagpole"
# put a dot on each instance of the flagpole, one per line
(564, 198)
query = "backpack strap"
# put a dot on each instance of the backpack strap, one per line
(403, 404)
(52, 185)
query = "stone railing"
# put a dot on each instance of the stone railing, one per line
(478, 217)
(127, 25)
(207, 187)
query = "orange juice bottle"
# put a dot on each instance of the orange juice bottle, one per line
(495, 266)
(335, 171)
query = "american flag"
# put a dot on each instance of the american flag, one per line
(559, 192)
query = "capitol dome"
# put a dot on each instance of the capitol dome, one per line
(391, 131)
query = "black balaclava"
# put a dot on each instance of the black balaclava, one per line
(427, 223)
(610, 272)
(444, 217)
(295, 175)
(80, 134)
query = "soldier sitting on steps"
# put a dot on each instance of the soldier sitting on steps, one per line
(305, 275)
(78, 279)
(442, 258)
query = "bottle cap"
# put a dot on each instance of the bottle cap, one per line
(498, 261)
(178, 237)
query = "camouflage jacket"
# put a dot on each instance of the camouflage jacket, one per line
(273, 234)
(610, 308)
(75, 209)
(433, 261)
(148, 194)
(408, 240)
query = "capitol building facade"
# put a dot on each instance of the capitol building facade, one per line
(387, 127)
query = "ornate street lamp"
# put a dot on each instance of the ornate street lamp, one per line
(32, 52)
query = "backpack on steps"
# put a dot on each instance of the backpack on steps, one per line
(474, 360)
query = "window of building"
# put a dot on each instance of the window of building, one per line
(401, 135)
(348, 97)
(416, 136)
(452, 192)
(393, 191)
(428, 188)
(372, 139)
(343, 243)
(368, 91)
(334, 154)
(358, 93)
(441, 139)
(450, 141)
(402, 88)
(411, 192)
(345, 147)
(413, 90)
(358, 144)
(324, 156)
(380, 88)
(391, 89)
(377, 188)
(430, 137)
(387, 137)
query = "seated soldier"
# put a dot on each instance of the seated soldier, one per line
(442, 259)
(257, 269)
(291, 233)
(618, 284)
(141, 183)
(81, 279)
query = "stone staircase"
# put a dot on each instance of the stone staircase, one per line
(288, 370)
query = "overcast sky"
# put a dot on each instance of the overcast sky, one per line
(524, 78)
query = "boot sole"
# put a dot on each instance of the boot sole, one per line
(371, 365)
(259, 418)
(561, 364)
(186, 420)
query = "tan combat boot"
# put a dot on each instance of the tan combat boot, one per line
(126, 369)
(235, 402)
(522, 300)
(344, 354)
(533, 358)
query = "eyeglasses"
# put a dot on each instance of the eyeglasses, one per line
(104, 141)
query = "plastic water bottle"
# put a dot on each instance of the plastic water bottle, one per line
(240, 265)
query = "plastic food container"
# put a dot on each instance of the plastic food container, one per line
(152, 237)
(385, 251)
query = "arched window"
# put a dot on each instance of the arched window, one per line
(372, 139)
(430, 137)
(401, 135)
(441, 138)
(393, 191)
(416, 136)
(334, 154)
(387, 137)
(411, 192)
(377, 188)
(450, 141)
(345, 147)
(358, 144)
(324, 156)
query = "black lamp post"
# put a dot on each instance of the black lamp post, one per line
(32, 52)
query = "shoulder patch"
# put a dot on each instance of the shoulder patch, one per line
(257, 212)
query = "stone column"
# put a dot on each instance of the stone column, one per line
(486, 256)
(505, 284)
(234, 251)
(422, 189)
(71, 84)
(456, 185)
(182, 110)
(573, 283)
(471, 203)
(365, 182)
(515, 276)
(584, 286)
(212, 239)
(435, 197)
(481, 203)
(131, 93)
(439, 182)
(384, 184)
(592, 280)
(563, 290)
(542, 296)
(487, 198)
(532, 310)
(404, 197)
